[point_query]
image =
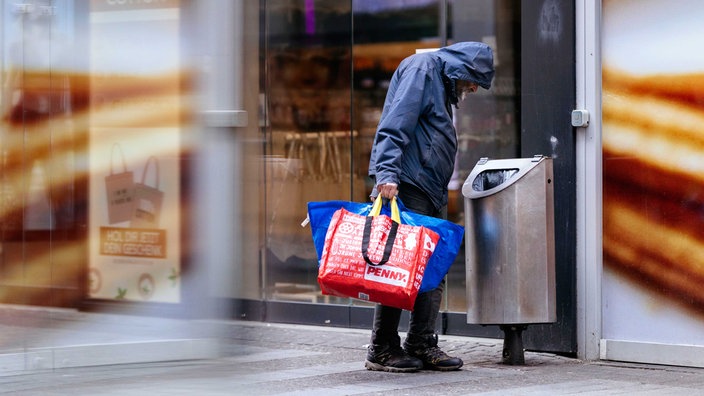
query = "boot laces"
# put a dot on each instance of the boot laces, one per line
(435, 354)
(432, 353)
(392, 352)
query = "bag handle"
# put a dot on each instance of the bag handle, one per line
(112, 157)
(151, 160)
(395, 216)
(378, 203)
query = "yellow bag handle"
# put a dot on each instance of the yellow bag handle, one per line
(376, 209)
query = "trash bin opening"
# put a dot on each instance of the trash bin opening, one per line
(489, 179)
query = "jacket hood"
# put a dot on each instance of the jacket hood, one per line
(468, 61)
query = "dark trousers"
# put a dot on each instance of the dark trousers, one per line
(427, 305)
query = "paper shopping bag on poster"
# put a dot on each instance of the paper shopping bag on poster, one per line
(119, 188)
(147, 199)
(374, 258)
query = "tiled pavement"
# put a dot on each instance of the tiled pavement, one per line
(251, 358)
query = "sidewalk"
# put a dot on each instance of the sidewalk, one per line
(276, 359)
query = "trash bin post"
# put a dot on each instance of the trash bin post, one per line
(513, 352)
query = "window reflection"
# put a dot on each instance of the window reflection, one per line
(40, 93)
(488, 121)
(309, 134)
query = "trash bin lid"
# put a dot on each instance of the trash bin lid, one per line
(491, 176)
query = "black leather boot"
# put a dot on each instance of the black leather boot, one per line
(391, 358)
(431, 355)
(422, 342)
(385, 352)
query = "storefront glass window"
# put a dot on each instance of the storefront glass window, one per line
(328, 65)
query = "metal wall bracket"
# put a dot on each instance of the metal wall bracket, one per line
(580, 118)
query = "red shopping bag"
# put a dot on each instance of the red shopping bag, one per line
(374, 258)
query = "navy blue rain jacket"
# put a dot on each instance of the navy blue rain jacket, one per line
(415, 140)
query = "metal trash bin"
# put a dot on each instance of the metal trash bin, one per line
(510, 247)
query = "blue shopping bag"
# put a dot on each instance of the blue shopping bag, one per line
(451, 234)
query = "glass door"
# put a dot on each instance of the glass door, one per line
(328, 65)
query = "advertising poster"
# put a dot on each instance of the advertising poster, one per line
(653, 164)
(135, 100)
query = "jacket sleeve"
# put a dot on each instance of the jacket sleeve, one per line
(397, 126)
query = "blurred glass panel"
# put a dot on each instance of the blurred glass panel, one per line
(43, 96)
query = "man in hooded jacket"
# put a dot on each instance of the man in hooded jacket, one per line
(413, 156)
